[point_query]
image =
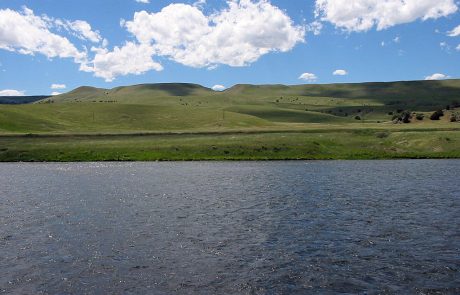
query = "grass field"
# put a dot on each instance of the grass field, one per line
(245, 122)
(362, 144)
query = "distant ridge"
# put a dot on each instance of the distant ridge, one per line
(404, 93)
(381, 90)
(21, 99)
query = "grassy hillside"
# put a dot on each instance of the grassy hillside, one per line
(331, 103)
(200, 117)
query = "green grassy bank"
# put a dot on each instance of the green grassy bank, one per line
(360, 144)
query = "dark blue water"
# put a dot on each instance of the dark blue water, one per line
(230, 228)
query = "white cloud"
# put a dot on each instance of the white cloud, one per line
(455, 32)
(55, 93)
(84, 31)
(445, 46)
(143, 1)
(235, 36)
(340, 73)
(315, 27)
(437, 76)
(27, 33)
(58, 86)
(397, 39)
(218, 87)
(458, 47)
(363, 15)
(199, 3)
(11, 92)
(309, 77)
(132, 58)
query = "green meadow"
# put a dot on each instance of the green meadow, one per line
(245, 122)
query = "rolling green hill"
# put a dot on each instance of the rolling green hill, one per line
(249, 118)
(329, 103)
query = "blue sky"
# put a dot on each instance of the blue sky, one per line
(108, 43)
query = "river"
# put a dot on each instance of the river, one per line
(230, 227)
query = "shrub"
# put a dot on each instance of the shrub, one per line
(404, 117)
(357, 118)
(420, 117)
(437, 115)
(383, 134)
(455, 117)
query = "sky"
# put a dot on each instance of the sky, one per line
(54, 46)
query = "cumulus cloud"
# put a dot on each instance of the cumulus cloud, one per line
(83, 30)
(340, 73)
(143, 1)
(58, 86)
(363, 15)
(218, 87)
(11, 92)
(26, 33)
(309, 77)
(458, 47)
(437, 76)
(455, 32)
(55, 93)
(131, 58)
(199, 3)
(315, 27)
(236, 36)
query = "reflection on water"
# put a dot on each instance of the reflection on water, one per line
(230, 228)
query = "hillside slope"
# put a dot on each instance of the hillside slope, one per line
(191, 107)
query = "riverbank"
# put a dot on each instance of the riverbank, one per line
(329, 144)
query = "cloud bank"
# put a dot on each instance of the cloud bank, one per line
(363, 15)
(235, 36)
(437, 76)
(11, 92)
(26, 33)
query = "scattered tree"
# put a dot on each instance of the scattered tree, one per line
(403, 117)
(455, 117)
(420, 116)
(436, 116)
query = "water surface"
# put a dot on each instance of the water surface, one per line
(230, 227)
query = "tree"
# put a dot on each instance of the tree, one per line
(437, 115)
(404, 117)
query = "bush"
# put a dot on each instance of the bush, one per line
(383, 134)
(455, 117)
(437, 115)
(357, 118)
(404, 117)
(420, 117)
